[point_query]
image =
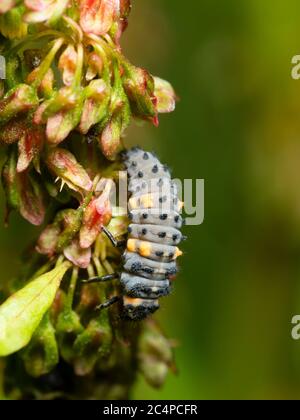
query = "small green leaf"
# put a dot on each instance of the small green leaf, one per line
(22, 313)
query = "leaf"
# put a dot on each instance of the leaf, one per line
(22, 313)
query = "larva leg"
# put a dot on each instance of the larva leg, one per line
(113, 240)
(109, 303)
(103, 279)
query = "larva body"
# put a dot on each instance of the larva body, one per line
(153, 236)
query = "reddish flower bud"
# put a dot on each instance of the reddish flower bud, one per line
(97, 16)
(19, 100)
(77, 255)
(96, 105)
(97, 214)
(67, 64)
(65, 166)
(48, 240)
(139, 87)
(165, 95)
(110, 140)
(30, 146)
(95, 66)
(32, 206)
(45, 10)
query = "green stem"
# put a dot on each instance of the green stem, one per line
(72, 288)
(46, 64)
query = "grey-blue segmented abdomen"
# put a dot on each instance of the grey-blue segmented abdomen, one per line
(149, 263)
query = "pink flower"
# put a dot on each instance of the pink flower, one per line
(44, 10)
(97, 16)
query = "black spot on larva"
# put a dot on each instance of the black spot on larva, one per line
(144, 232)
(136, 267)
(162, 234)
(140, 174)
(148, 270)
(176, 219)
(160, 182)
(145, 216)
(130, 216)
(175, 238)
(159, 254)
(146, 156)
(171, 255)
(129, 229)
(163, 217)
(134, 164)
(163, 199)
(155, 169)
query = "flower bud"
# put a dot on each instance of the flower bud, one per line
(139, 86)
(57, 236)
(48, 240)
(155, 355)
(97, 16)
(12, 25)
(30, 146)
(165, 95)
(65, 166)
(19, 100)
(95, 66)
(91, 345)
(96, 105)
(32, 206)
(67, 64)
(68, 327)
(61, 125)
(63, 100)
(110, 140)
(44, 10)
(97, 214)
(46, 87)
(77, 255)
(41, 355)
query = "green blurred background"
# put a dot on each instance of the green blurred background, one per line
(238, 127)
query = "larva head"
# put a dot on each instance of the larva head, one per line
(138, 309)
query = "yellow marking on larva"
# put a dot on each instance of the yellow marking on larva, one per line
(145, 249)
(132, 301)
(133, 203)
(147, 201)
(131, 245)
(178, 253)
(181, 205)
